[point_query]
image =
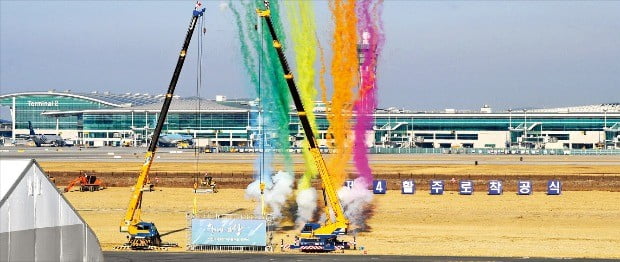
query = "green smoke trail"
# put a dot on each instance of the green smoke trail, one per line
(258, 53)
(278, 95)
(266, 77)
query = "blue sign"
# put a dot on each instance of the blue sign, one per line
(554, 187)
(437, 187)
(348, 183)
(466, 187)
(524, 187)
(379, 186)
(496, 187)
(229, 232)
(408, 187)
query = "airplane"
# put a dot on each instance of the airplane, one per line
(172, 140)
(45, 140)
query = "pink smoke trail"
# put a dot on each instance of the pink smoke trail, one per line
(370, 28)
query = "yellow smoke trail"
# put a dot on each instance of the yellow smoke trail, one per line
(303, 31)
(344, 73)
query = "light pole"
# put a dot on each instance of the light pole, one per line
(509, 119)
(605, 127)
(525, 126)
(389, 131)
(605, 123)
(509, 129)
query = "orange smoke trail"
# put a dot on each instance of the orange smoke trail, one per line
(322, 83)
(344, 73)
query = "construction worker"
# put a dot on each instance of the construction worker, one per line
(214, 186)
(206, 179)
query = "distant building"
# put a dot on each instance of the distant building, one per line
(6, 130)
(106, 119)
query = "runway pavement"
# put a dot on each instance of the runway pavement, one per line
(111, 256)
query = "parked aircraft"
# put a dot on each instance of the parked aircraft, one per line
(172, 140)
(45, 140)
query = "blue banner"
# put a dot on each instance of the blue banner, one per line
(229, 232)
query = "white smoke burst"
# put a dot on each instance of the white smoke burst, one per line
(275, 194)
(356, 202)
(306, 205)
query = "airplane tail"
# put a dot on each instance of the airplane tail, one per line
(31, 129)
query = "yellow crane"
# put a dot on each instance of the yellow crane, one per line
(144, 235)
(314, 237)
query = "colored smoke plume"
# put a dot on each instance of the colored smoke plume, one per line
(370, 28)
(266, 77)
(322, 72)
(303, 30)
(344, 74)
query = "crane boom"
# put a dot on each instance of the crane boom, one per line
(132, 215)
(341, 222)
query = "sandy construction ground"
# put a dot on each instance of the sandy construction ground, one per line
(583, 223)
(575, 224)
(381, 164)
(581, 175)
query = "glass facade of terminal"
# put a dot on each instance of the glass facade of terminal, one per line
(91, 118)
(30, 108)
(399, 126)
(396, 126)
(477, 123)
(99, 125)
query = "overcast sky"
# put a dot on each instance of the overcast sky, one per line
(437, 54)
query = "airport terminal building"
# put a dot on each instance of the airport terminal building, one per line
(107, 119)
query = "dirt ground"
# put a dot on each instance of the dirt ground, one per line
(583, 223)
(574, 224)
(583, 168)
(577, 176)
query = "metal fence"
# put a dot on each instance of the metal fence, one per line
(417, 150)
(494, 151)
(269, 222)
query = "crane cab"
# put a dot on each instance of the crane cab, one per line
(143, 235)
(308, 229)
(311, 240)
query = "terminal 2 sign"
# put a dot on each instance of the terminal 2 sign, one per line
(42, 103)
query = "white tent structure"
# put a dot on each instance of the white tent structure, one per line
(36, 222)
